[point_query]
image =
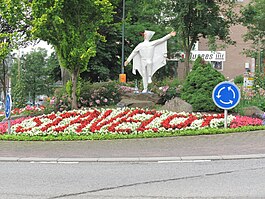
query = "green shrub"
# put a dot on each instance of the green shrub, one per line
(18, 97)
(199, 84)
(167, 89)
(239, 79)
(259, 81)
(2, 117)
(69, 86)
(59, 102)
(99, 94)
(253, 96)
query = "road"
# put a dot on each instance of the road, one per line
(161, 179)
(213, 166)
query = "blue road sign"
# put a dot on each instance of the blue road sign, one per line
(8, 106)
(226, 95)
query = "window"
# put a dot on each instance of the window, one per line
(218, 65)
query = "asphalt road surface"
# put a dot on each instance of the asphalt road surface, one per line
(243, 178)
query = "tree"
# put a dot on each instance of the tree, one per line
(70, 26)
(10, 31)
(4, 71)
(53, 68)
(6, 34)
(106, 64)
(33, 79)
(34, 70)
(193, 19)
(253, 18)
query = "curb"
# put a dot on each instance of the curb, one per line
(133, 159)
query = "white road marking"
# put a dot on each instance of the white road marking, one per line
(184, 161)
(52, 162)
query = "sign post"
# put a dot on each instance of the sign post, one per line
(226, 95)
(8, 107)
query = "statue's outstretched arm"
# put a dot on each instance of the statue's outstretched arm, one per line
(163, 39)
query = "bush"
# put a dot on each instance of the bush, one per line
(2, 117)
(167, 89)
(259, 81)
(99, 94)
(199, 84)
(253, 96)
(239, 79)
(59, 102)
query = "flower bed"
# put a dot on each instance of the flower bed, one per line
(4, 125)
(123, 121)
(28, 110)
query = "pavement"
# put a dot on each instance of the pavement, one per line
(244, 145)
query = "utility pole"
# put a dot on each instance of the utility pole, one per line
(259, 56)
(18, 64)
(123, 29)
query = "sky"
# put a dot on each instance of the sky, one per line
(41, 44)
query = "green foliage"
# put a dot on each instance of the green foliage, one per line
(239, 79)
(167, 89)
(195, 19)
(198, 86)
(2, 117)
(30, 77)
(18, 97)
(9, 29)
(168, 81)
(253, 96)
(53, 68)
(259, 81)
(253, 18)
(76, 43)
(108, 136)
(70, 26)
(99, 94)
(60, 101)
(69, 85)
(145, 15)
(256, 100)
(68, 88)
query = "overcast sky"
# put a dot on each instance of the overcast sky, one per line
(41, 44)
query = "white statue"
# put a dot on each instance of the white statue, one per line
(149, 56)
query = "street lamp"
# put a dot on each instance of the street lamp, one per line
(123, 27)
(122, 75)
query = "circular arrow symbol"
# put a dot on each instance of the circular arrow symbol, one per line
(226, 95)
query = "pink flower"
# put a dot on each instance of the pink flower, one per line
(165, 88)
(105, 100)
(245, 121)
(28, 107)
(97, 101)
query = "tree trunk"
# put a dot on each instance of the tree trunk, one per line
(64, 75)
(186, 64)
(74, 88)
(3, 80)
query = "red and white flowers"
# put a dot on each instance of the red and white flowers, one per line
(123, 121)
